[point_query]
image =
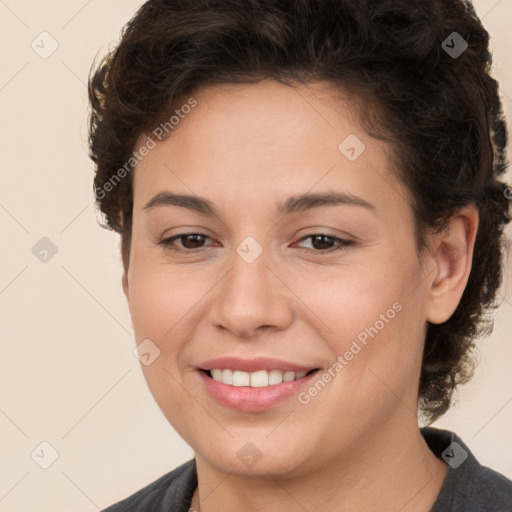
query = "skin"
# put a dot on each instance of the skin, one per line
(356, 445)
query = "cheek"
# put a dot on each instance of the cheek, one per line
(373, 322)
(160, 298)
(352, 298)
(171, 396)
(161, 310)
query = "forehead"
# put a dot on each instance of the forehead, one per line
(253, 139)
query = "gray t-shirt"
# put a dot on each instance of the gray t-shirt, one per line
(468, 487)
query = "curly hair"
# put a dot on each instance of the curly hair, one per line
(440, 113)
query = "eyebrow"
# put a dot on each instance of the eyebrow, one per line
(296, 203)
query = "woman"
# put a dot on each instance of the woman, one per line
(311, 217)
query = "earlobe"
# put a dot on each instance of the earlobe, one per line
(452, 256)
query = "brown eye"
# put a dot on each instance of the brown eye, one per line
(324, 243)
(189, 242)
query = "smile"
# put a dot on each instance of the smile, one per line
(257, 379)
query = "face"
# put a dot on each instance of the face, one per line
(274, 282)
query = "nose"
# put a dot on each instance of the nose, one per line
(252, 297)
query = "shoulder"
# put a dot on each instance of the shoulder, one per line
(492, 490)
(172, 491)
(469, 486)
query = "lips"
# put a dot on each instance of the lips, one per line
(241, 394)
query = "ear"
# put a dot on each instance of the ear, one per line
(452, 256)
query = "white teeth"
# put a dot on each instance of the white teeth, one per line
(227, 376)
(241, 378)
(275, 377)
(258, 379)
(288, 376)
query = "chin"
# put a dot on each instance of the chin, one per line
(245, 459)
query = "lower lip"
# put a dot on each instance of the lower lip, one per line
(245, 398)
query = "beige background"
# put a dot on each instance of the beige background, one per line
(68, 374)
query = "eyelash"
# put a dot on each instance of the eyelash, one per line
(343, 244)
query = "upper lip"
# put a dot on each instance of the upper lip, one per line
(253, 365)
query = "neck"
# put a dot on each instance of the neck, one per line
(394, 470)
